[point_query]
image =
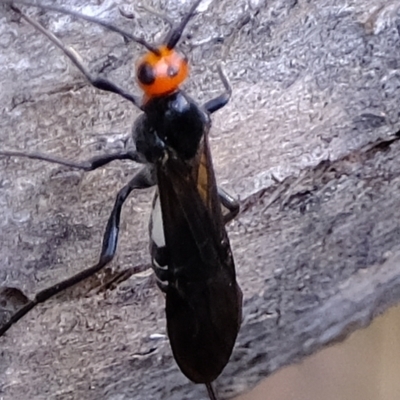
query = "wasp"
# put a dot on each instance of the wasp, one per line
(190, 250)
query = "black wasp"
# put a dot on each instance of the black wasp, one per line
(190, 249)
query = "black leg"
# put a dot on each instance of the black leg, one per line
(96, 81)
(230, 206)
(210, 391)
(222, 100)
(144, 179)
(89, 165)
(122, 276)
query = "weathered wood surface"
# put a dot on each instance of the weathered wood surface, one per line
(308, 142)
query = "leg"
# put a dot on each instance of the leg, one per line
(89, 165)
(121, 276)
(230, 206)
(144, 179)
(210, 391)
(220, 101)
(96, 81)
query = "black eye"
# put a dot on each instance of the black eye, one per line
(145, 74)
(172, 71)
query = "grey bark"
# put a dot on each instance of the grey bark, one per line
(309, 143)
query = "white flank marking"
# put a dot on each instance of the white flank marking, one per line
(157, 229)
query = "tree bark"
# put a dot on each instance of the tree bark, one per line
(309, 143)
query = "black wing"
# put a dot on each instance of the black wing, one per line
(203, 300)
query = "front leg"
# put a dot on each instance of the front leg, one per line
(222, 100)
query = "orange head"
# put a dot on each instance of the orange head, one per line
(162, 72)
(162, 69)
